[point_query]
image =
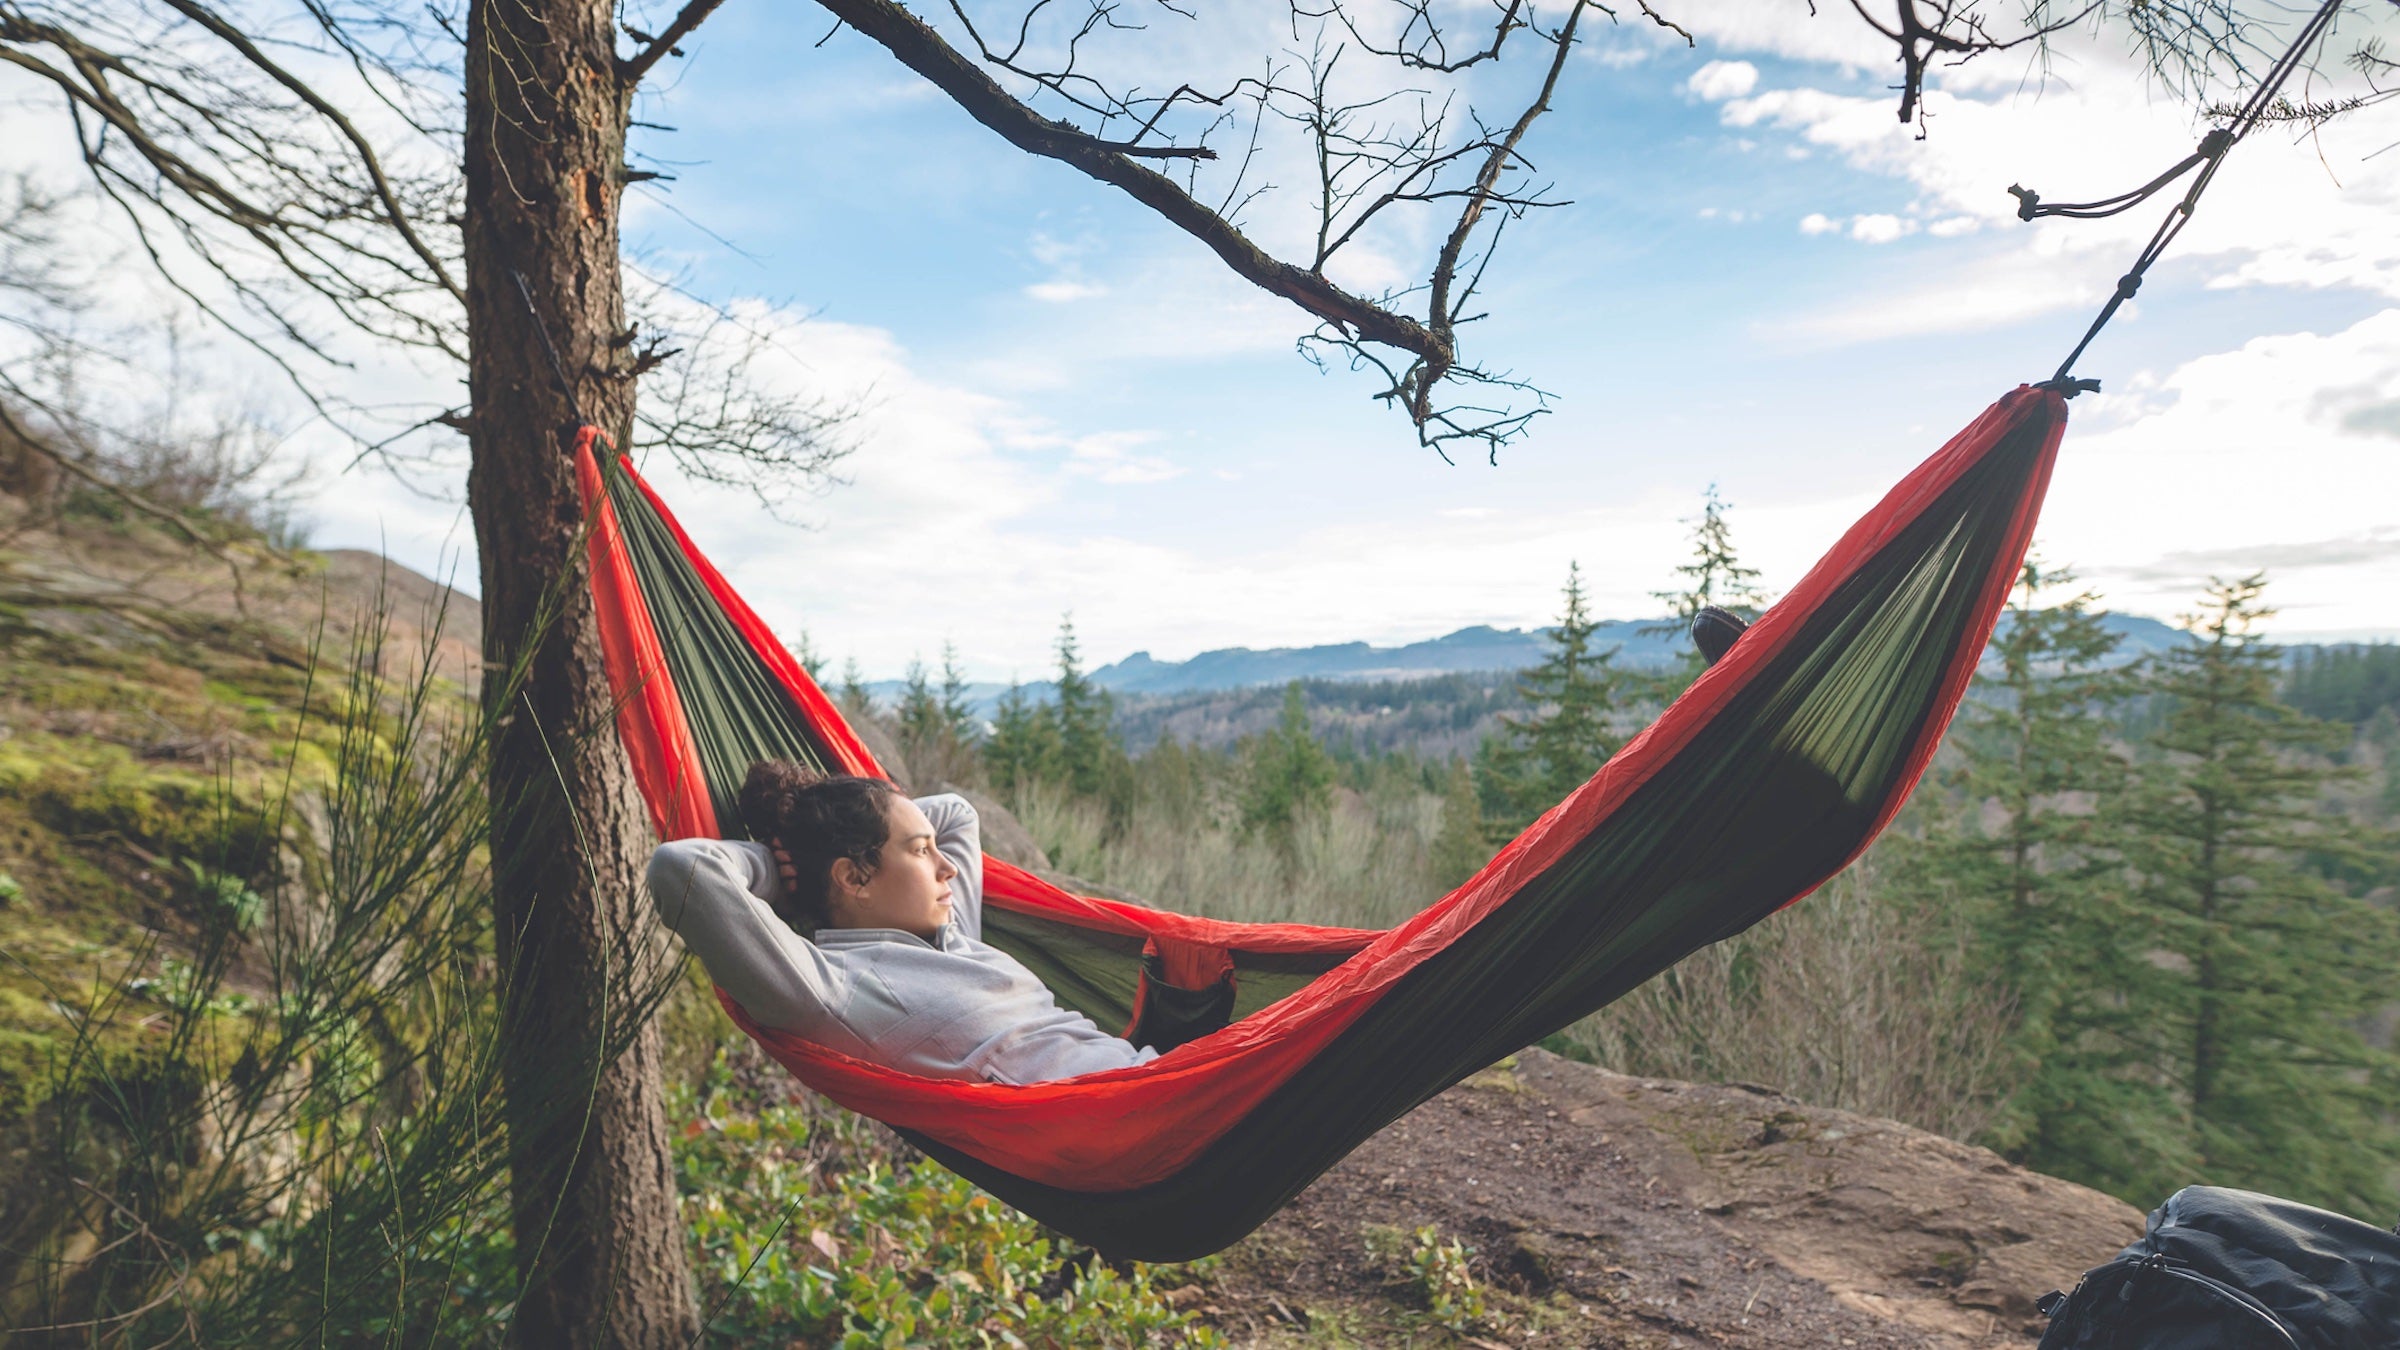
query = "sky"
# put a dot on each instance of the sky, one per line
(1765, 282)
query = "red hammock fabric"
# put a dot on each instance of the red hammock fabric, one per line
(1128, 1129)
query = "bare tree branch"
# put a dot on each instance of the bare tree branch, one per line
(201, 137)
(394, 214)
(921, 49)
(655, 49)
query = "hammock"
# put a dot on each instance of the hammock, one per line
(1770, 774)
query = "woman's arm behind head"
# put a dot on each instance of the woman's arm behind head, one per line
(959, 836)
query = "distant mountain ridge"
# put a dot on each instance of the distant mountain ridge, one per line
(1478, 649)
(1637, 642)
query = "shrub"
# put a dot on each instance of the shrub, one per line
(1851, 999)
(833, 1242)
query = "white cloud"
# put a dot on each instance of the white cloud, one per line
(1064, 292)
(2268, 457)
(1721, 80)
(2312, 215)
(1880, 228)
(1817, 222)
(1109, 457)
(2009, 288)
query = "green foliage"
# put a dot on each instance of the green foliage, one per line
(1069, 742)
(1540, 758)
(2345, 684)
(221, 826)
(2030, 854)
(797, 1243)
(1439, 1273)
(226, 897)
(919, 712)
(804, 650)
(937, 725)
(1861, 997)
(1083, 713)
(2274, 969)
(307, 1145)
(1444, 1275)
(1021, 744)
(1171, 831)
(957, 713)
(856, 701)
(1463, 846)
(1287, 776)
(2383, 733)
(1715, 575)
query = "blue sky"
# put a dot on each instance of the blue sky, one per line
(1764, 282)
(1713, 307)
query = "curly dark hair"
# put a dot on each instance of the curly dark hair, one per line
(813, 819)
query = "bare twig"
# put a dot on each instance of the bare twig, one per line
(655, 49)
(921, 49)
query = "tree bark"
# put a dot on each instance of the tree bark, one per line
(599, 1243)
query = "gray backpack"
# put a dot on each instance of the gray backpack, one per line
(2231, 1270)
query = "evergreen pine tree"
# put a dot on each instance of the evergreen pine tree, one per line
(1538, 759)
(1022, 744)
(2033, 859)
(2278, 968)
(804, 651)
(934, 752)
(920, 713)
(2382, 731)
(856, 701)
(948, 730)
(1086, 748)
(1461, 847)
(958, 713)
(1714, 576)
(1288, 774)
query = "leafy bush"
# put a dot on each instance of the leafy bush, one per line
(1446, 1279)
(800, 1238)
(1855, 999)
(309, 1146)
(1426, 1268)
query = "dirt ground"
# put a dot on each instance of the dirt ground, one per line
(1615, 1211)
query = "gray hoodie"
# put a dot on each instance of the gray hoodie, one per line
(950, 1008)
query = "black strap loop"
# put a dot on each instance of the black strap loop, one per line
(558, 368)
(2208, 158)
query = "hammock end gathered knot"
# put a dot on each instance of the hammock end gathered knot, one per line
(2068, 386)
(2128, 284)
(2029, 202)
(2216, 143)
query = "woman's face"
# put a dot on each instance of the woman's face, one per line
(910, 887)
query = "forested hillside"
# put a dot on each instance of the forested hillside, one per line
(249, 1083)
(2134, 932)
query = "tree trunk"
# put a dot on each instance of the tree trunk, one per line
(599, 1243)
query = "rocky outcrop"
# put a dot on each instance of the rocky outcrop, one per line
(1637, 1212)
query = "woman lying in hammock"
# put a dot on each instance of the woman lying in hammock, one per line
(891, 892)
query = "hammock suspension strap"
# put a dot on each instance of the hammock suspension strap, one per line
(2208, 158)
(558, 368)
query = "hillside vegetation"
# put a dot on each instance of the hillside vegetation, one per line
(2134, 930)
(246, 1030)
